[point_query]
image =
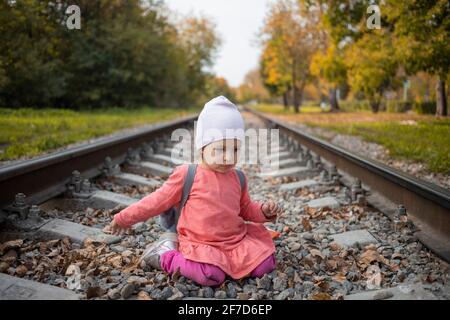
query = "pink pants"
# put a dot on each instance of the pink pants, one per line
(206, 274)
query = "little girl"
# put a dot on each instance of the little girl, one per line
(214, 239)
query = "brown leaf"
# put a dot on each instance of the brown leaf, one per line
(3, 266)
(21, 271)
(306, 224)
(369, 256)
(9, 256)
(13, 244)
(316, 253)
(339, 277)
(334, 246)
(332, 264)
(94, 292)
(374, 277)
(142, 295)
(321, 296)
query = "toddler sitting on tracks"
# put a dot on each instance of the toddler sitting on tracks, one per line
(213, 238)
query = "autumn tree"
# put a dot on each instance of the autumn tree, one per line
(372, 66)
(289, 39)
(331, 67)
(128, 53)
(252, 88)
(422, 30)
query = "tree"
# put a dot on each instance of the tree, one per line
(275, 71)
(372, 66)
(127, 53)
(291, 40)
(422, 30)
(252, 88)
(331, 67)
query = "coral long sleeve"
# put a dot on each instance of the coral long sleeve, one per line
(165, 197)
(251, 210)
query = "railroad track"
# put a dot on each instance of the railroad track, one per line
(333, 245)
(388, 189)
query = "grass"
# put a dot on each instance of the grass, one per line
(408, 136)
(30, 132)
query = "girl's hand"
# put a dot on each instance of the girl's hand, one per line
(271, 210)
(117, 230)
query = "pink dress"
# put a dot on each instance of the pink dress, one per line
(212, 227)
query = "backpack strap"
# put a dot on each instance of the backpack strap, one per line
(188, 181)
(241, 179)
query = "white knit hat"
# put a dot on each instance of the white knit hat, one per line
(220, 119)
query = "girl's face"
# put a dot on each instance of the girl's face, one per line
(221, 155)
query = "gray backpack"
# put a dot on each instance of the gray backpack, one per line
(169, 219)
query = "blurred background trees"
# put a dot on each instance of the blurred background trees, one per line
(127, 53)
(329, 45)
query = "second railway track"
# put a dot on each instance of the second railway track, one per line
(336, 241)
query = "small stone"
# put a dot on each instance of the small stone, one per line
(295, 246)
(182, 288)
(127, 291)
(280, 283)
(156, 294)
(3, 266)
(142, 295)
(242, 296)
(231, 290)
(285, 294)
(248, 288)
(118, 249)
(166, 293)
(114, 294)
(264, 282)
(177, 296)
(290, 272)
(127, 253)
(308, 236)
(115, 272)
(208, 292)
(220, 295)
(383, 295)
(21, 270)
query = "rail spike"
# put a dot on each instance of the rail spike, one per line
(133, 157)
(109, 168)
(78, 187)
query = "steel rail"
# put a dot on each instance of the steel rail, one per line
(427, 204)
(45, 177)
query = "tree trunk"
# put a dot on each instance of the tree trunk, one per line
(286, 101)
(375, 105)
(297, 100)
(441, 98)
(334, 103)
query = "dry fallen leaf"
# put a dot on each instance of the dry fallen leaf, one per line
(369, 256)
(334, 246)
(306, 224)
(13, 244)
(21, 270)
(94, 292)
(373, 275)
(142, 295)
(339, 277)
(316, 253)
(321, 296)
(332, 264)
(72, 269)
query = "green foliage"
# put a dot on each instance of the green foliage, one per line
(425, 107)
(372, 67)
(124, 55)
(427, 142)
(29, 132)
